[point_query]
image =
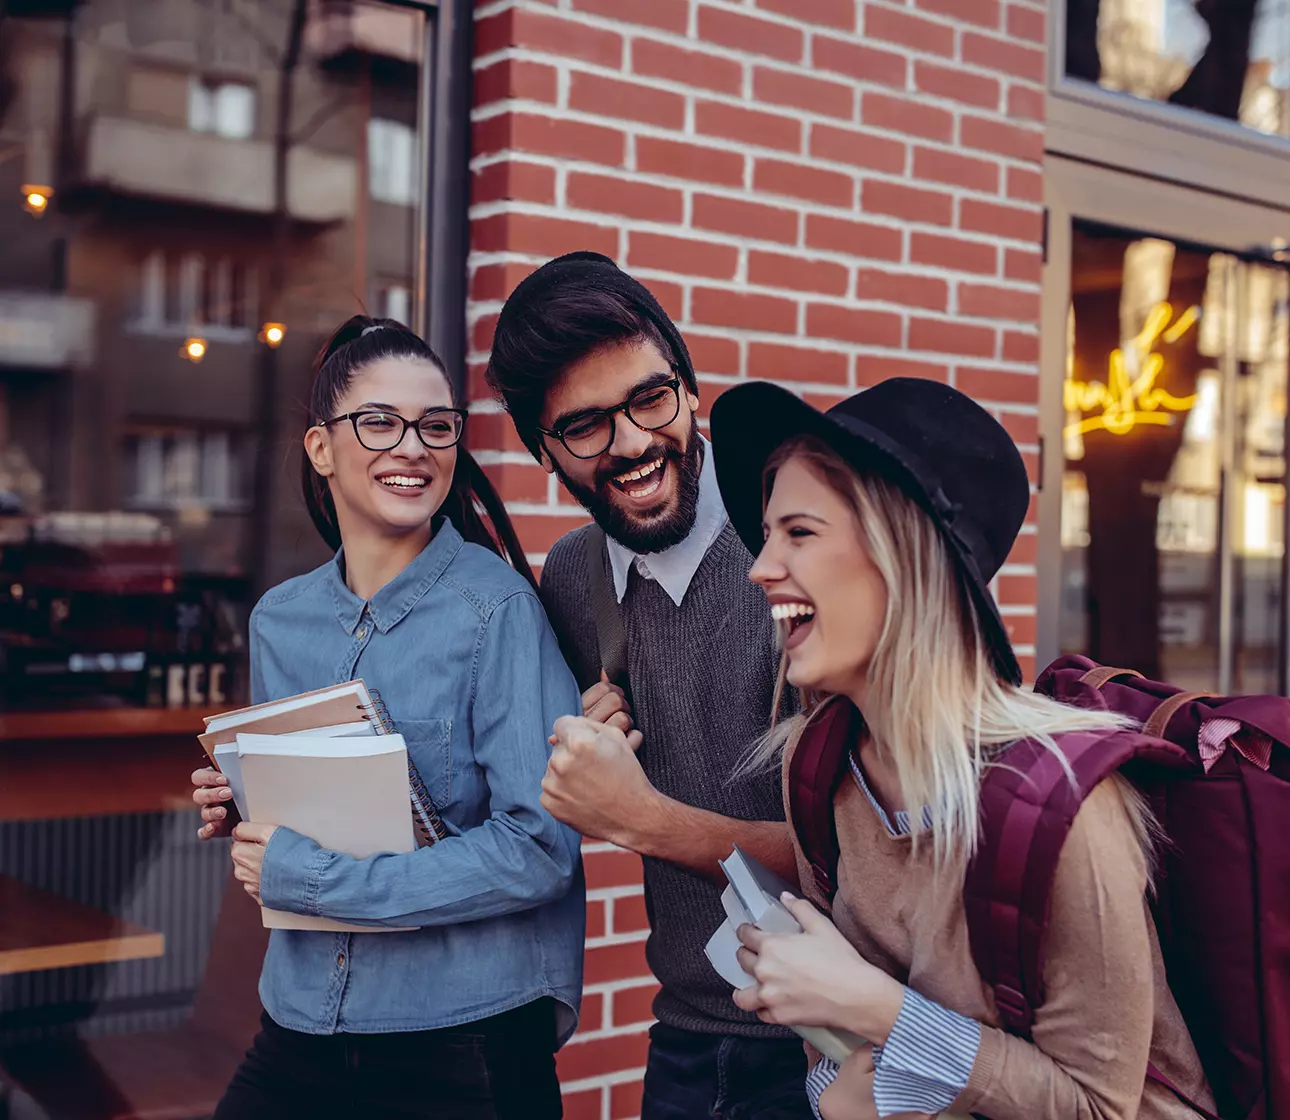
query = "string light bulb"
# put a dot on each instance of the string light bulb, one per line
(194, 349)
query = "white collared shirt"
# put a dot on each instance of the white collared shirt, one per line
(674, 567)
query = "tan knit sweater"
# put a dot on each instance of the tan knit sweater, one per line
(1107, 1008)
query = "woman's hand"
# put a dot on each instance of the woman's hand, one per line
(849, 1096)
(212, 796)
(816, 979)
(249, 842)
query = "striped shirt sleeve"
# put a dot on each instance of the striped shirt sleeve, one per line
(924, 1066)
(927, 1060)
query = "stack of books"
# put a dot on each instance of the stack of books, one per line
(330, 766)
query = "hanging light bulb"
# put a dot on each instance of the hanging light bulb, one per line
(194, 349)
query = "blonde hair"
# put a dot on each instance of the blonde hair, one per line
(936, 709)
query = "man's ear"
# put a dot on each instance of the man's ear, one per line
(318, 448)
(693, 400)
(544, 458)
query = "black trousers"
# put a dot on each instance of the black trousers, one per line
(698, 1076)
(501, 1068)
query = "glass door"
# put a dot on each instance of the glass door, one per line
(1172, 485)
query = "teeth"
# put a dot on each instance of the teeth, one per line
(404, 480)
(781, 612)
(640, 472)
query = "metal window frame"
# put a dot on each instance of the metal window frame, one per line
(1077, 191)
(443, 145)
(1159, 140)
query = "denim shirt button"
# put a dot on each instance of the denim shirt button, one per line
(340, 960)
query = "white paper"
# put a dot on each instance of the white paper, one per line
(319, 746)
(230, 765)
(721, 950)
(338, 730)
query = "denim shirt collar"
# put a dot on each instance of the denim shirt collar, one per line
(390, 605)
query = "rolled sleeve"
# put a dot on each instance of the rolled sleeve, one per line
(927, 1060)
(290, 872)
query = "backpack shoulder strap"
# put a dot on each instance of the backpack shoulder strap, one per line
(1028, 804)
(817, 768)
(611, 636)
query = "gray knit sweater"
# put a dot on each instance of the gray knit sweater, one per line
(702, 678)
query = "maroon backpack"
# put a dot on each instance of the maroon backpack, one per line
(1222, 904)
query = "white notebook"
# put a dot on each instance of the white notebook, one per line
(752, 898)
(346, 792)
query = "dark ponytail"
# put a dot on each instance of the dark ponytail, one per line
(357, 343)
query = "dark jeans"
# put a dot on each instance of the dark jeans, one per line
(690, 1076)
(502, 1068)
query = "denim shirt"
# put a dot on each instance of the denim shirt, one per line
(462, 654)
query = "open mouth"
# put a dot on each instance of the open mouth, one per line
(794, 619)
(404, 483)
(643, 482)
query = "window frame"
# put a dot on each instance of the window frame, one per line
(1163, 141)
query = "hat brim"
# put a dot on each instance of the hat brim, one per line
(751, 421)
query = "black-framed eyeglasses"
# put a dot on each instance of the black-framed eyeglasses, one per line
(590, 434)
(437, 429)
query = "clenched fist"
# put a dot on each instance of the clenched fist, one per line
(594, 782)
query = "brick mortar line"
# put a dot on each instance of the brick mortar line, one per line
(570, 64)
(745, 194)
(494, 109)
(810, 32)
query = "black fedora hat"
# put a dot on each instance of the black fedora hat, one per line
(937, 445)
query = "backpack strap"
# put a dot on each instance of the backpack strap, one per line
(817, 768)
(1028, 804)
(611, 636)
(1104, 674)
(1158, 722)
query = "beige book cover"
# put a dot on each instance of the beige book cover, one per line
(347, 794)
(349, 702)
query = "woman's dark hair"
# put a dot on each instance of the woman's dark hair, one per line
(357, 343)
(570, 308)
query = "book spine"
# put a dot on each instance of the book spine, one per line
(429, 825)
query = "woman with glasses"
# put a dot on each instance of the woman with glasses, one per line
(460, 1013)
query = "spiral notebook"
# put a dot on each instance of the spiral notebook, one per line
(350, 704)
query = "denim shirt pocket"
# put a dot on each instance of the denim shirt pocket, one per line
(429, 744)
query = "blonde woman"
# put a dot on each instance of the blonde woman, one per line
(879, 526)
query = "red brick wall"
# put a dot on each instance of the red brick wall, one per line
(824, 192)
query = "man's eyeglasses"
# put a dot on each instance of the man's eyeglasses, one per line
(438, 429)
(650, 407)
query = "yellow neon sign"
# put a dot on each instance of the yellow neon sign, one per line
(1127, 400)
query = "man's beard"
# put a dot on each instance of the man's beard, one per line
(656, 532)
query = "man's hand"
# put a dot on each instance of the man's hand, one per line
(607, 703)
(249, 842)
(594, 782)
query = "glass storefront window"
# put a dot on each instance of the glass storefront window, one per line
(1173, 494)
(1229, 60)
(148, 244)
